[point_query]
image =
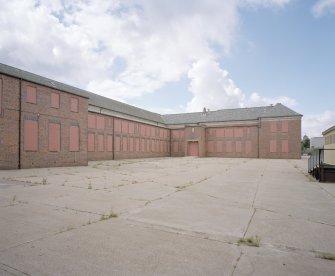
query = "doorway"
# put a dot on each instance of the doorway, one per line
(193, 148)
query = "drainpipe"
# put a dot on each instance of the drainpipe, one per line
(20, 122)
(170, 143)
(259, 126)
(113, 140)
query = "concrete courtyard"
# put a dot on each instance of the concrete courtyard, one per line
(171, 216)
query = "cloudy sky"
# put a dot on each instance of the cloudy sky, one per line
(179, 56)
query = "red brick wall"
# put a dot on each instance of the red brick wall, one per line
(232, 141)
(278, 132)
(44, 114)
(9, 123)
(131, 140)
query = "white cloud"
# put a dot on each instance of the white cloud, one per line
(322, 6)
(125, 49)
(212, 88)
(313, 125)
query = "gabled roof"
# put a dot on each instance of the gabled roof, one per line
(93, 99)
(224, 115)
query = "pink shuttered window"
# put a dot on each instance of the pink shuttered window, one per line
(210, 146)
(124, 144)
(229, 132)
(54, 100)
(91, 121)
(142, 127)
(74, 105)
(117, 125)
(273, 146)
(284, 126)
(137, 144)
(220, 132)
(248, 147)
(284, 146)
(238, 146)
(30, 134)
(117, 143)
(238, 132)
(219, 147)
(229, 147)
(124, 126)
(143, 145)
(90, 142)
(148, 146)
(273, 126)
(175, 146)
(100, 142)
(131, 128)
(100, 122)
(131, 144)
(109, 143)
(54, 137)
(175, 134)
(153, 145)
(74, 138)
(31, 95)
(0, 96)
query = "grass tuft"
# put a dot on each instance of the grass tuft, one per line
(44, 181)
(250, 241)
(89, 186)
(109, 216)
(326, 256)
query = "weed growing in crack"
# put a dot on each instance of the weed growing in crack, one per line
(89, 186)
(325, 256)
(250, 241)
(44, 181)
(109, 216)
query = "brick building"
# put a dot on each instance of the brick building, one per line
(45, 123)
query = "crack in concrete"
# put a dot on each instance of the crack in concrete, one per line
(236, 263)
(11, 270)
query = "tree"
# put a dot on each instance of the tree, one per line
(306, 142)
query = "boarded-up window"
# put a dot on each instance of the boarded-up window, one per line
(54, 137)
(284, 126)
(229, 147)
(131, 128)
(220, 132)
(124, 143)
(219, 146)
(142, 130)
(175, 146)
(238, 132)
(153, 145)
(175, 134)
(100, 142)
(90, 146)
(31, 95)
(124, 126)
(284, 146)
(109, 143)
(148, 145)
(74, 138)
(248, 147)
(117, 143)
(210, 147)
(30, 134)
(117, 125)
(238, 146)
(181, 134)
(54, 100)
(0, 96)
(137, 144)
(100, 122)
(91, 121)
(74, 105)
(273, 146)
(229, 132)
(273, 126)
(152, 132)
(131, 144)
(143, 145)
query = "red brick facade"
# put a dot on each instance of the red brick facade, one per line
(43, 127)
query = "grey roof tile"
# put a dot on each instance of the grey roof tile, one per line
(223, 115)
